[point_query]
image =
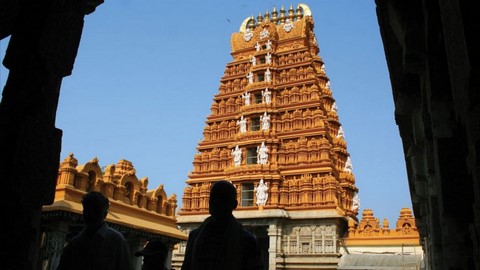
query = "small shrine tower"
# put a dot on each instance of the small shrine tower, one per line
(274, 132)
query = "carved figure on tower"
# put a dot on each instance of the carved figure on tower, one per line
(268, 76)
(268, 58)
(243, 124)
(269, 44)
(265, 120)
(334, 106)
(288, 26)
(246, 98)
(262, 154)
(267, 96)
(253, 60)
(355, 203)
(341, 133)
(348, 165)
(237, 156)
(261, 192)
(250, 77)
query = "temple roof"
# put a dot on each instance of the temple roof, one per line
(114, 216)
(133, 207)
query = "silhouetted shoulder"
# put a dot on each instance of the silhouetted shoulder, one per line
(187, 262)
(249, 238)
(193, 234)
(251, 252)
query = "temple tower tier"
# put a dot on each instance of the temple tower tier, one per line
(274, 132)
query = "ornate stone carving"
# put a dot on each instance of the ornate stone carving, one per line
(261, 192)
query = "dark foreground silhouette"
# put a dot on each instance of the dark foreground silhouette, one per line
(97, 246)
(221, 242)
(154, 254)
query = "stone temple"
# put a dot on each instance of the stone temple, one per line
(275, 133)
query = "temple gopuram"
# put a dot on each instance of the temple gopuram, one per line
(275, 133)
(138, 213)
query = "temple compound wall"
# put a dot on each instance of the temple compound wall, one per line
(370, 244)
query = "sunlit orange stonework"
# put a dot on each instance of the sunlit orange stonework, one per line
(306, 154)
(369, 232)
(370, 244)
(274, 132)
(139, 213)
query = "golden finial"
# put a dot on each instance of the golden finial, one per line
(267, 16)
(282, 15)
(251, 23)
(94, 160)
(274, 15)
(71, 160)
(260, 18)
(291, 13)
(299, 14)
(385, 223)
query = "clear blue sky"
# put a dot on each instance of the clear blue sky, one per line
(147, 71)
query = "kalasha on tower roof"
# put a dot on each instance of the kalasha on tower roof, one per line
(274, 130)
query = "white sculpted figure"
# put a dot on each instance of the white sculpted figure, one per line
(265, 120)
(262, 154)
(269, 45)
(341, 133)
(267, 96)
(348, 165)
(334, 106)
(243, 124)
(248, 35)
(268, 58)
(355, 203)
(327, 85)
(268, 77)
(261, 192)
(253, 61)
(257, 47)
(250, 77)
(246, 98)
(288, 26)
(264, 33)
(323, 68)
(237, 156)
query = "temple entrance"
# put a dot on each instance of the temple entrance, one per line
(261, 232)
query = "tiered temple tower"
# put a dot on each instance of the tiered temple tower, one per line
(274, 132)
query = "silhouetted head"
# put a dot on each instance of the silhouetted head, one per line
(223, 199)
(154, 254)
(95, 209)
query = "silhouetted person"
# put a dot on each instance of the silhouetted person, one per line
(97, 246)
(154, 254)
(221, 242)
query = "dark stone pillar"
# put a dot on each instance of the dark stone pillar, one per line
(45, 36)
